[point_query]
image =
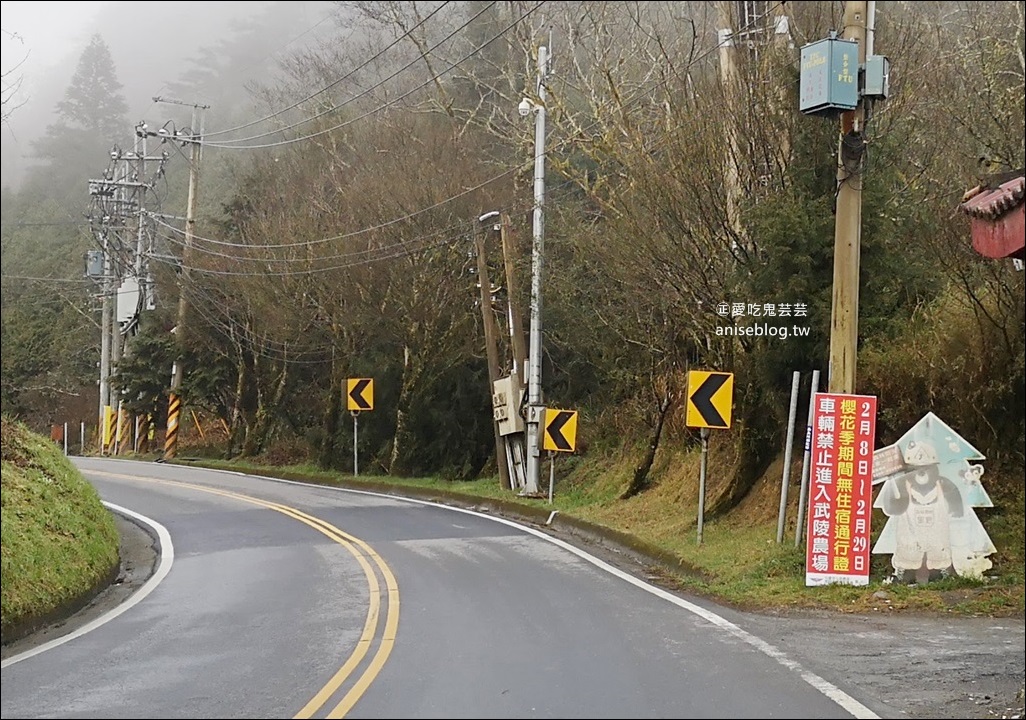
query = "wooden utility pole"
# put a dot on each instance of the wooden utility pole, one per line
(844, 317)
(178, 371)
(491, 333)
(516, 322)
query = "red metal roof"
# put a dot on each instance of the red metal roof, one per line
(996, 209)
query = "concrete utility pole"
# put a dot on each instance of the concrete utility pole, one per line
(535, 409)
(106, 328)
(491, 333)
(140, 238)
(844, 316)
(178, 371)
(110, 192)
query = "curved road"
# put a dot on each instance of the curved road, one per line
(279, 600)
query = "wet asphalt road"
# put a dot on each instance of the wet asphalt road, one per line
(286, 600)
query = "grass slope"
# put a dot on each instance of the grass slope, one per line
(60, 544)
(738, 561)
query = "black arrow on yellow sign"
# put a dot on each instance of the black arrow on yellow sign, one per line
(361, 394)
(710, 396)
(560, 430)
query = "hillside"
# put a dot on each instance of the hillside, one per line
(60, 544)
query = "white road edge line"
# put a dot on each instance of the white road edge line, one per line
(167, 557)
(828, 689)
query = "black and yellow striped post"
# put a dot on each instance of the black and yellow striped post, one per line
(124, 430)
(174, 408)
(142, 433)
(109, 428)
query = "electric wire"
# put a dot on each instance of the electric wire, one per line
(373, 228)
(405, 248)
(396, 220)
(347, 260)
(345, 77)
(641, 94)
(228, 146)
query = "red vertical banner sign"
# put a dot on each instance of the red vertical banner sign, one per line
(841, 489)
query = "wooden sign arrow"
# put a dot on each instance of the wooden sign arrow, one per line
(360, 394)
(560, 430)
(710, 398)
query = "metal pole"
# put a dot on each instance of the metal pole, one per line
(356, 458)
(552, 474)
(806, 460)
(65, 438)
(534, 393)
(781, 516)
(704, 434)
(81, 438)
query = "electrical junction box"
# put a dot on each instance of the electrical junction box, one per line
(829, 83)
(94, 263)
(877, 77)
(507, 395)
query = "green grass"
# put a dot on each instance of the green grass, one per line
(738, 561)
(58, 540)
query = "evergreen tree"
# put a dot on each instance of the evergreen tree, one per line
(49, 353)
(91, 118)
(93, 101)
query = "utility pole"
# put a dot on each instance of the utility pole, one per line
(491, 333)
(535, 410)
(139, 195)
(516, 323)
(178, 371)
(109, 198)
(106, 327)
(844, 316)
(140, 238)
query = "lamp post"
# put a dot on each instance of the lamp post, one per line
(535, 410)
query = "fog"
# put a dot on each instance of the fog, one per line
(153, 46)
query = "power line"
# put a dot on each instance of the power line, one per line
(559, 145)
(67, 223)
(382, 225)
(377, 109)
(427, 241)
(332, 84)
(28, 278)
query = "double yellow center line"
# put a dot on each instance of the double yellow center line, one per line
(364, 555)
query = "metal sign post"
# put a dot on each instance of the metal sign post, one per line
(560, 435)
(789, 443)
(709, 405)
(356, 457)
(359, 396)
(799, 524)
(552, 473)
(704, 434)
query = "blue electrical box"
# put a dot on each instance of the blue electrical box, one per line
(829, 82)
(877, 77)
